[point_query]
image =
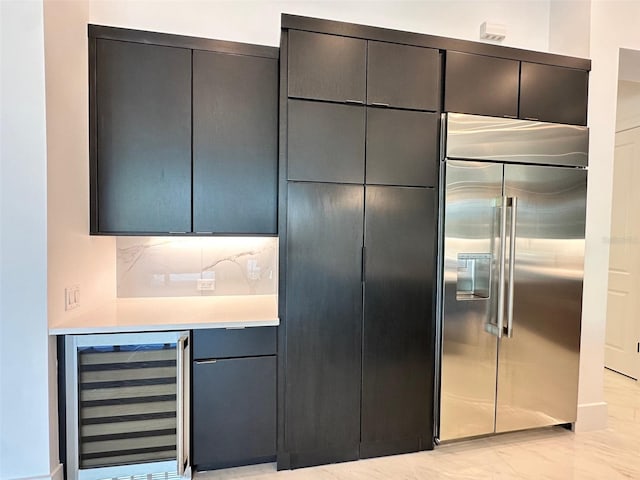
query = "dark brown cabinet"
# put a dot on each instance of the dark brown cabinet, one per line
(234, 397)
(403, 76)
(142, 179)
(323, 323)
(481, 85)
(399, 327)
(345, 392)
(499, 87)
(183, 134)
(327, 67)
(235, 122)
(402, 147)
(326, 142)
(553, 94)
(234, 412)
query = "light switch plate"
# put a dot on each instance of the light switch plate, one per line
(72, 297)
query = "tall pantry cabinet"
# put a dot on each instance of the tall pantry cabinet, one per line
(357, 220)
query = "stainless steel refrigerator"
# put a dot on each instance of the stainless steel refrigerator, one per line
(513, 206)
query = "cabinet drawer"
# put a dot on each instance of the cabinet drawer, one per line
(239, 342)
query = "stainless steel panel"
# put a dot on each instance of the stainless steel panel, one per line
(468, 367)
(508, 140)
(538, 365)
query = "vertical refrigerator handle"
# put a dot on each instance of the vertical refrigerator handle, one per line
(183, 413)
(501, 268)
(513, 201)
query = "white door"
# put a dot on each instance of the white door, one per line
(623, 306)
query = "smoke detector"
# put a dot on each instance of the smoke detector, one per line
(493, 31)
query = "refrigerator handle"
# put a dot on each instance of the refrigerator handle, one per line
(503, 254)
(513, 201)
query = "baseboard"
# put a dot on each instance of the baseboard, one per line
(591, 416)
(56, 474)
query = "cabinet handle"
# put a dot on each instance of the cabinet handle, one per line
(532, 118)
(510, 116)
(355, 102)
(234, 328)
(205, 362)
(378, 104)
(173, 233)
(204, 233)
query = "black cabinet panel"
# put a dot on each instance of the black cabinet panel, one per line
(234, 342)
(235, 122)
(323, 322)
(326, 67)
(398, 337)
(403, 76)
(234, 412)
(481, 85)
(143, 95)
(326, 142)
(402, 147)
(553, 94)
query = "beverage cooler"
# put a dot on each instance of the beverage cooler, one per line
(127, 404)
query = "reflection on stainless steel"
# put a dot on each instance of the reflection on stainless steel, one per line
(474, 137)
(538, 366)
(468, 379)
(528, 220)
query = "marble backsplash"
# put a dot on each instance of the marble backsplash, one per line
(196, 266)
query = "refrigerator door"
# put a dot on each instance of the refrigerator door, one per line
(538, 358)
(469, 342)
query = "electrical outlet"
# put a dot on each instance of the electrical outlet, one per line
(206, 284)
(72, 297)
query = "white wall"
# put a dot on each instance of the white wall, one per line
(258, 21)
(614, 25)
(75, 258)
(25, 446)
(569, 27)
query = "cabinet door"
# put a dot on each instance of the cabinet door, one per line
(326, 142)
(326, 67)
(402, 147)
(553, 94)
(234, 412)
(143, 95)
(481, 85)
(323, 322)
(235, 122)
(403, 76)
(398, 338)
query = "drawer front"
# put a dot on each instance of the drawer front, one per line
(237, 342)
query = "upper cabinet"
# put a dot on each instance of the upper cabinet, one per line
(553, 94)
(481, 85)
(235, 121)
(143, 138)
(352, 70)
(403, 76)
(327, 67)
(500, 87)
(183, 135)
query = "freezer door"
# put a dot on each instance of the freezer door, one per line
(469, 341)
(538, 359)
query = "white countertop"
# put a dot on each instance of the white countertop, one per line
(174, 313)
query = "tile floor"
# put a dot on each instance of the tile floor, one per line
(553, 453)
